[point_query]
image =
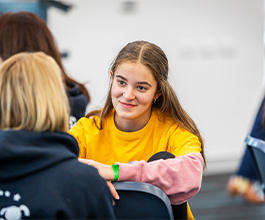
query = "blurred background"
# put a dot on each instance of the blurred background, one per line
(215, 50)
(216, 57)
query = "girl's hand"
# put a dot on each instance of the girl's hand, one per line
(104, 171)
(113, 191)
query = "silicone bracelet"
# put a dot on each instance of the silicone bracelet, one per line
(115, 167)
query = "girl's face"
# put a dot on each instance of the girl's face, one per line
(133, 92)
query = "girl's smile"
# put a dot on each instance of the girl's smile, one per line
(126, 105)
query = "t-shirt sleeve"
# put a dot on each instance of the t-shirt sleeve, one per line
(182, 142)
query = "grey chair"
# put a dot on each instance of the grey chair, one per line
(257, 151)
(141, 201)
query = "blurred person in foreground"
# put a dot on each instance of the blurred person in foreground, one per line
(40, 176)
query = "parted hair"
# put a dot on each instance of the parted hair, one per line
(27, 32)
(153, 57)
(32, 94)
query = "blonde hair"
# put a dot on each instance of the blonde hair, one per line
(32, 94)
(153, 57)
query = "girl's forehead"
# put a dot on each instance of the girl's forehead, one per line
(133, 67)
(135, 73)
(137, 69)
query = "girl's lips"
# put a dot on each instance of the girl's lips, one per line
(125, 105)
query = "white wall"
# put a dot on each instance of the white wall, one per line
(215, 52)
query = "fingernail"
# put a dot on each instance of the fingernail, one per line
(117, 197)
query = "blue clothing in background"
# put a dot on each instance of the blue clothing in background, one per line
(78, 103)
(247, 168)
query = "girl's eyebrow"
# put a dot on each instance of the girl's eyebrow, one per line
(142, 83)
(121, 77)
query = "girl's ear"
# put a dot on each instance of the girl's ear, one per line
(157, 95)
(111, 76)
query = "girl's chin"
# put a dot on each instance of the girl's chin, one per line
(124, 115)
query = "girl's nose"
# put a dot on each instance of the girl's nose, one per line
(129, 94)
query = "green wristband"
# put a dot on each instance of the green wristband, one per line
(115, 168)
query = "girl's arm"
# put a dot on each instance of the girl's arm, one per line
(180, 178)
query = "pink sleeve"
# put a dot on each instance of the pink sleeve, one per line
(180, 178)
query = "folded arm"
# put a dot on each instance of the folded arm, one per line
(180, 178)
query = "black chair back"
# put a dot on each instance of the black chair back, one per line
(141, 201)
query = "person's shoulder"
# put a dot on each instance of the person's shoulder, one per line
(84, 175)
(163, 118)
(89, 177)
(85, 122)
(85, 169)
(81, 183)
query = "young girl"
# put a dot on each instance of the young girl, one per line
(141, 117)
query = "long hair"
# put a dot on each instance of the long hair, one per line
(32, 94)
(155, 59)
(27, 32)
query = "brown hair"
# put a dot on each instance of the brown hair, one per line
(155, 59)
(27, 32)
(32, 94)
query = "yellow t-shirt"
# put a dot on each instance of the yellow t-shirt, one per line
(111, 145)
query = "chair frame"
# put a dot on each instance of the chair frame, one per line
(255, 143)
(145, 188)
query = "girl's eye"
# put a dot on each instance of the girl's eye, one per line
(120, 82)
(141, 88)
